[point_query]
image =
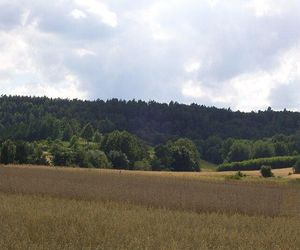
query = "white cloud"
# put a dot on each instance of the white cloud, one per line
(25, 17)
(100, 9)
(148, 18)
(194, 90)
(213, 3)
(198, 90)
(68, 88)
(193, 66)
(14, 56)
(267, 7)
(78, 14)
(84, 52)
(250, 91)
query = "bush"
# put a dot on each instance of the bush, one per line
(118, 159)
(143, 165)
(297, 167)
(96, 159)
(274, 162)
(266, 171)
(237, 176)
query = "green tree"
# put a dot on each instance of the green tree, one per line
(126, 143)
(96, 159)
(181, 155)
(87, 132)
(226, 147)
(97, 138)
(49, 128)
(297, 167)
(162, 159)
(185, 156)
(212, 150)
(62, 155)
(74, 142)
(118, 159)
(142, 165)
(239, 151)
(21, 152)
(36, 155)
(280, 149)
(8, 152)
(182, 160)
(262, 149)
(67, 132)
(266, 171)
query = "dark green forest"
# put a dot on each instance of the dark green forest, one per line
(139, 135)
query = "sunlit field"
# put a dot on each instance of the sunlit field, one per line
(57, 208)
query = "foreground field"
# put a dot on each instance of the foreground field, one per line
(49, 208)
(29, 222)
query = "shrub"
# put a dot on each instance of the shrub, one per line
(266, 171)
(297, 167)
(119, 160)
(274, 162)
(96, 159)
(237, 176)
(143, 165)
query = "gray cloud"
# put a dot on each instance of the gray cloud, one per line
(235, 53)
(286, 96)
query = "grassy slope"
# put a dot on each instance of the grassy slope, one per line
(207, 166)
(83, 208)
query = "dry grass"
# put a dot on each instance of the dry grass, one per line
(157, 191)
(49, 208)
(30, 222)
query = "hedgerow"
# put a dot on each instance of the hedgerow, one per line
(255, 164)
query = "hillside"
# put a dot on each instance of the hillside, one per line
(24, 118)
(139, 135)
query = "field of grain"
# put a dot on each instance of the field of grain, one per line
(52, 208)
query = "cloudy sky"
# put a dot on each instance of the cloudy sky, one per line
(243, 54)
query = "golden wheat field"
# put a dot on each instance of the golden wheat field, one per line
(57, 208)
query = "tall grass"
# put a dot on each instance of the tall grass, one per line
(153, 191)
(47, 208)
(30, 222)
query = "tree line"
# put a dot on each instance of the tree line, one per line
(218, 151)
(115, 150)
(139, 135)
(39, 118)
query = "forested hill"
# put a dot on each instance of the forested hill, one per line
(36, 118)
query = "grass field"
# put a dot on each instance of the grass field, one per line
(207, 166)
(50, 208)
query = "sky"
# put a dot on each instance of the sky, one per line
(242, 54)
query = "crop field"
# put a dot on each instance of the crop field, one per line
(61, 208)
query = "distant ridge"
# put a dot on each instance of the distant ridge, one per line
(152, 121)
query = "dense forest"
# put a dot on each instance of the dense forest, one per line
(138, 134)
